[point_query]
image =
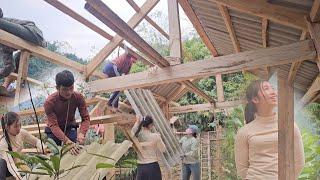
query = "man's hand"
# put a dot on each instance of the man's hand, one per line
(74, 149)
(138, 118)
(81, 138)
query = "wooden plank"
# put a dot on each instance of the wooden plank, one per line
(174, 29)
(312, 92)
(264, 33)
(18, 43)
(226, 17)
(219, 85)
(107, 50)
(197, 25)
(315, 11)
(22, 74)
(296, 65)
(205, 107)
(263, 9)
(40, 110)
(154, 24)
(286, 130)
(299, 51)
(63, 8)
(31, 80)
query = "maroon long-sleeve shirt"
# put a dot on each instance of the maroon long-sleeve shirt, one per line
(56, 110)
(124, 63)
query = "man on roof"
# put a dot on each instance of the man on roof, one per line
(117, 67)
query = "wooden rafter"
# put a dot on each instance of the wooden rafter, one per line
(154, 24)
(197, 25)
(263, 9)
(204, 107)
(296, 65)
(227, 20)
(63, 8)
(312, 92)
(107, 50)
(315, 11)
(298, 51)
(264, 32)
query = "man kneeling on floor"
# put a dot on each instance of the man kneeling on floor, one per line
(60, 108)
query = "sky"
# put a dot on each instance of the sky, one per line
(57, 26)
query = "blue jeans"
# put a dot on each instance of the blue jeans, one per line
(188, 169)
(71, 133)
(112, 71)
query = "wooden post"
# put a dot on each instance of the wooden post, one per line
(286, 127)
(174, 29)
(22, 74)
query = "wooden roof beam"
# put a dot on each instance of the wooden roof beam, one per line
(298, 51)
(205, 107)
(197, 25)
(63, 8)
(227, 20)
(154, 24)
(107, 50)
(263, 9)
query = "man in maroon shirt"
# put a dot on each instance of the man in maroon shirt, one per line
(60, 108)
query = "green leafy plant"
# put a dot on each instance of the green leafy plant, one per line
(311, 144)
(45, 166)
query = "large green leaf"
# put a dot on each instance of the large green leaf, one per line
(104, 165)
(55, 160)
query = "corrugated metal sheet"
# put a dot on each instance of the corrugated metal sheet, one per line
(248, 31)
(144, 104)
(89, 171)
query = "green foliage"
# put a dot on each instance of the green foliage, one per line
(311, 143)
(194, 49)
(232, 124)
(41, 165)
(138, 67)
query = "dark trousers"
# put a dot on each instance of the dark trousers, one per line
(112, 71)
(71, 133)
(4, 170)
(149, 171)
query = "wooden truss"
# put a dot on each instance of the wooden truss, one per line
(189, 73)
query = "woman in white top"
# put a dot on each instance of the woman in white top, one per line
(12, 140)
(152, 144)
(256, 143)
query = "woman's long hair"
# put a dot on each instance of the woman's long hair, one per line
(252, 92)
(146, 121)
(6, 121)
